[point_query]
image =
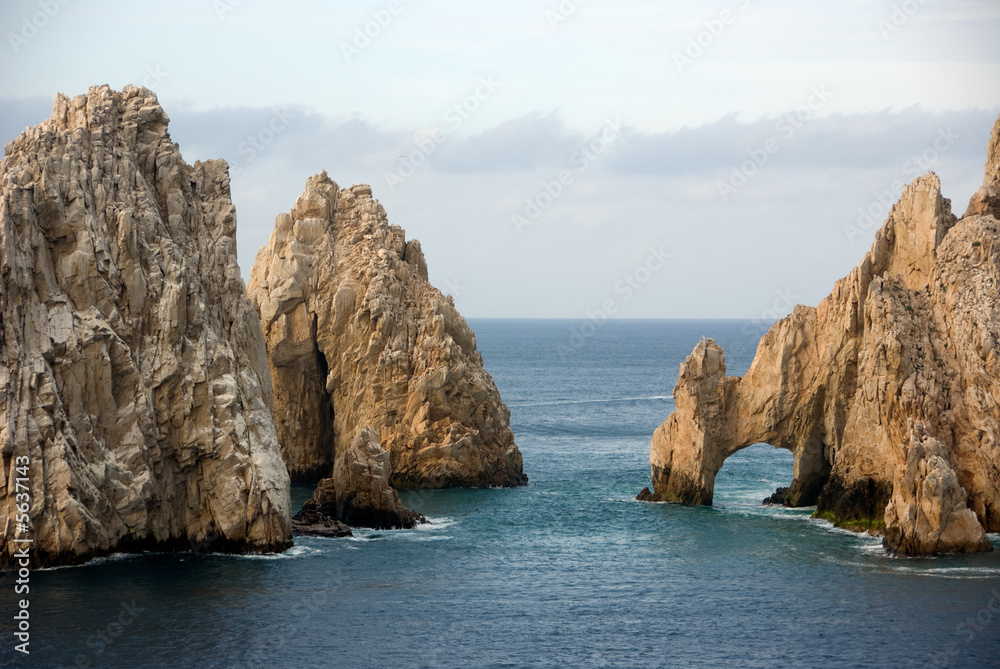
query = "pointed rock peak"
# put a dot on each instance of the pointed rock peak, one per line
(102, 104)
(905, 246)
(318, 200)
(706, 360)
(358, 337)
(986, 201)
(323, 177)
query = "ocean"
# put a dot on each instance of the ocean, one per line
(568, 571)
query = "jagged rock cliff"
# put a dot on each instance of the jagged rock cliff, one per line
(889, 390)
(358, 337)
(133, 371)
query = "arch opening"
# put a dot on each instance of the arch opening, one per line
(806, 465)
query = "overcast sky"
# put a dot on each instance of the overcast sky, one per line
(557, 159)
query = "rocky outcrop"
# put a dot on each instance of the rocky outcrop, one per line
(359, 493)
(909, 336)
(358, 337)
(133, 371)
(311, 522)
(927, 513)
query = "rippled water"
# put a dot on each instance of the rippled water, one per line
(568, 571)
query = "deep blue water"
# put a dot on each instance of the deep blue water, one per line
(566, 572)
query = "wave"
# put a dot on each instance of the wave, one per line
(435, 523)
(105, 559)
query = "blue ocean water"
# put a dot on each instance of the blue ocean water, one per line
(569, 571)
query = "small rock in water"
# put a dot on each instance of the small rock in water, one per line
(310, 522)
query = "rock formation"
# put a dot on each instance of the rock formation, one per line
(887, 393)
(358, 337)
(133, 370)
(927, 513)
(359, 493)
(311, 522)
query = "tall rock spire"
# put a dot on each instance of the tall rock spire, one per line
(133, 372)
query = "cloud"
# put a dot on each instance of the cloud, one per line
(867, 141)
(784, 230)
(526, 143)
(544, 142)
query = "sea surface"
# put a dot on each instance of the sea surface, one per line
(568, 571)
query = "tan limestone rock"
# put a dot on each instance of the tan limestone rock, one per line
(358, 337)
(909, 335)
(359, 493)
(133, 371)
(927, 513)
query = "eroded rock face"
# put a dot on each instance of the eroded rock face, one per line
(133, 371)
(927, 513)
(908, 335)
(358, 337)
(359, 493)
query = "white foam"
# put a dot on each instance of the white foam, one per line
(433, 524)
(115, 557)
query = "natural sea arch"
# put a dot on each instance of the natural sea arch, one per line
(744, 474)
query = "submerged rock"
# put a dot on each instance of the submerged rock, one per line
(909, 336)
(780, 497)
(133, 370)
(358, 337)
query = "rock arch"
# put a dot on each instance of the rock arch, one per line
(713, 421)
(886, 393)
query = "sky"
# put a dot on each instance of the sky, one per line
(576, 159)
